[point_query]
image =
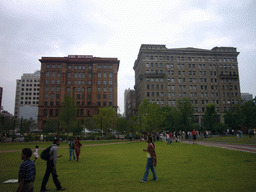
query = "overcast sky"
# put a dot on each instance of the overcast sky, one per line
(30, 29)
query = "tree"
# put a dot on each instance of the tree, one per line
(123, 125)
(183, 119)
(169, 118)
(78, 127)
(154, 118)
(68, 113)
(249, 114)
(105, 119)
(211, 118)
(141, 117)
(51, 126)
(27, 125)
(150, 116)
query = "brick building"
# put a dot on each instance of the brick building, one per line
(91, 81)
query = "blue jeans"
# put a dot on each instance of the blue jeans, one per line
(149, 166)
(71, 153)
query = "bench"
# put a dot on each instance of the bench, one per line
(121, 136)
(8, 139)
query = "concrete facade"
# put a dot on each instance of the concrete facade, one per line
(129, 103)
(27, 95)
(205, 76)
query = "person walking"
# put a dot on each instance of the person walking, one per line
(36, 153)
(170, 135)
(27, 172)
(51, 168)
(151, 161)
(77, 148)
(71, 144)
(194, 133)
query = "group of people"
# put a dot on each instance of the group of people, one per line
(169, 137)
(74, 146)
(27, 171)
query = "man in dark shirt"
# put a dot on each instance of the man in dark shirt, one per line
(51, 168)
(27, 172)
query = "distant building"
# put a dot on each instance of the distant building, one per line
(129, 103)
(1, 96)
(165, 76)
(27, 96)
(91, 81)
(246, 96)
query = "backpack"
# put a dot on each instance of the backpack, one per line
(45, 154)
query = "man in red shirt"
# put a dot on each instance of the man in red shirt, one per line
(170, 139)
(194, 133)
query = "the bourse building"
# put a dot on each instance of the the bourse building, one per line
(204, 76)
(91, 81)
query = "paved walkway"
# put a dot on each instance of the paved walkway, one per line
(231, 146)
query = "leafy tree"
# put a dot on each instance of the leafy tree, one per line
(123, 125)
(105, 119)
(89, 124)
(142, 111)
(51, 126)
(211, 118)
(249, 114)
(169, 118)
(154, 118)
(183, 119)
(150, 116)
(78, 127)
(29, 124)
(68, 113)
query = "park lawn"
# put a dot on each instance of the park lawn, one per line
(43, 145)
(119, 167)
(231, 139)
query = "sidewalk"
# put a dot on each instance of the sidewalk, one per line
(231, 146)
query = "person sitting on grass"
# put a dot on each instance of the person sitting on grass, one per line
(27, 172)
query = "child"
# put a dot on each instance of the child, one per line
(35, 154)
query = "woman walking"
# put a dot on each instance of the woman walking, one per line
(77, 148)
(151, 162)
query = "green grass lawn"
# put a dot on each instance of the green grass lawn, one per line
(181, 167)
(232, 139)
(42, 145)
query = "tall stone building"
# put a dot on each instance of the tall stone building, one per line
(91, 81)
(129, 103)
(204, 76)
(27, 96)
